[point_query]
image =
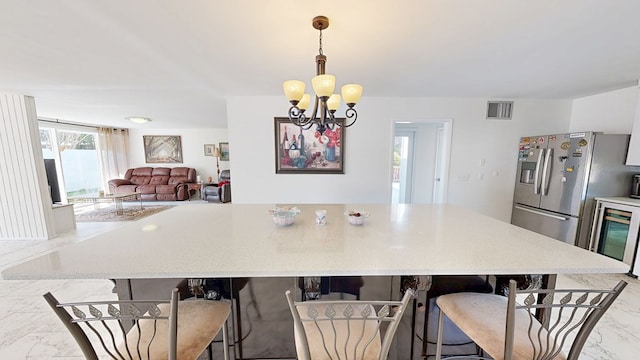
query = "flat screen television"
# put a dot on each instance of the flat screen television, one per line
(52, 179)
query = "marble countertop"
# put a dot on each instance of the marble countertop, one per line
(234, 240)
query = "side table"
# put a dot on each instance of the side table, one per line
(195, 187)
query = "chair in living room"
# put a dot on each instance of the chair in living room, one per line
(158, 329)
(345, 329)
(507, 327)
(220, 192)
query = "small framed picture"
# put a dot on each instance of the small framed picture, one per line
(209, 149)
(224, 151)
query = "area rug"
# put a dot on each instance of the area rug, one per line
(128, 214)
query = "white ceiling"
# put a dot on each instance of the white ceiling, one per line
(97, 62)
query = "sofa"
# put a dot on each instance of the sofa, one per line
(159, 183)
(220, 192)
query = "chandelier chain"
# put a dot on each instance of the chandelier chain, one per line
(320, 41)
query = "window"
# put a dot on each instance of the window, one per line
(76, 159)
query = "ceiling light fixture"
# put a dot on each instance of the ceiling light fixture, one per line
(326, 102)
(139, 120)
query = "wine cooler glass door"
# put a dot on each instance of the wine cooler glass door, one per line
(614, 233)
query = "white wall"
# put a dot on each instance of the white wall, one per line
(193, 141)
(633, 156)
(368, 146)
(25, 203)
(611, 112)
(368, 151)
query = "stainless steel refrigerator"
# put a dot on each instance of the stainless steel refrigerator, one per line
(558, 177)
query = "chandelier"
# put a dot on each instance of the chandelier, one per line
(326, 102)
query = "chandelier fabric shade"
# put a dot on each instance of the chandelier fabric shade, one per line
(326, 102)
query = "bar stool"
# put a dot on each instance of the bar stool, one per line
(125, 329)
(449, 284)
(224, 288)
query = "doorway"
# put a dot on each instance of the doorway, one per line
(421, 151)
(403, 148)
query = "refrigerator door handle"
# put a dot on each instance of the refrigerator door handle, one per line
(536, 179)
(546, 172)
(557, 217)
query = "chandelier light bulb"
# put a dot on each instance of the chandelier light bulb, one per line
(323, 85)
(333, 103)
(351, 94)
(304, 102)
(293, 90)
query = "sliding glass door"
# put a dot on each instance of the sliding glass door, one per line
(71, 161)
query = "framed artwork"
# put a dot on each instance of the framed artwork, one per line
(224, 151)
(300, 151)
(161, 149)
(209, 149)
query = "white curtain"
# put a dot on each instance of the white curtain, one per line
(113, 153)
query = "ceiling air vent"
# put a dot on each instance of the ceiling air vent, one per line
(499, 109)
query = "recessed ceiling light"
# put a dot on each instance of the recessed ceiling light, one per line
(139, 120)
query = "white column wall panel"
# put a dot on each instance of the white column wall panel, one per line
(25, 203)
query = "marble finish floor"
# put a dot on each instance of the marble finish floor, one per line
(30, 330)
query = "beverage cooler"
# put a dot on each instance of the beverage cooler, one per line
(615, 231)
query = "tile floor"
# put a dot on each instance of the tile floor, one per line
(30, 330)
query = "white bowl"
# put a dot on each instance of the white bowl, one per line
(356, 217)
(284, 218)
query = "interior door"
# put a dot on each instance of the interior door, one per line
(421, 153)
(438, 184)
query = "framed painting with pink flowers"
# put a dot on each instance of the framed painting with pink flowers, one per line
(306, 151)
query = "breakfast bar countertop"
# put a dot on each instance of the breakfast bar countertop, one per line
(237, 240)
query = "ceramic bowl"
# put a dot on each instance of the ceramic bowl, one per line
(284, 217)
(356, 217)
